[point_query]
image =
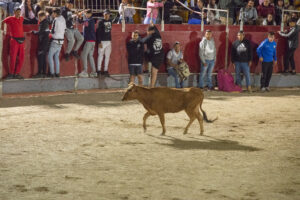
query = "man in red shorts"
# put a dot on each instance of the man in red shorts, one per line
(15, 24)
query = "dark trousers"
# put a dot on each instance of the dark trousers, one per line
(267, 69)
(42, 62)
(289, 58)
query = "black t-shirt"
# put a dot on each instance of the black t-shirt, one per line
(154, 45)
(135, 51)
(67, 14)
(103, 32)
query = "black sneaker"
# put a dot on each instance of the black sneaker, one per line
(146, 71)
(51, 75)
(67, 57)
(106, 74)
(18, 76)
(9, 77)
(57, 75)
(38, 76)
(75, 54)
(293, 72)
(98, 74)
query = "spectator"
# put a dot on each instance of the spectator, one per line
(278, 12)
(207, 53)
(269, 21)
(174, 58)
(128, 12)
(135, 49)
(267, 55)
(264, 9)
(292, 44)
(9, 5)
(195, 18)
(168, 6)
(27, 12)
(103, 35)
(152, 11)
(241, 57)
(16, 44)
(143, 12)
(43, 42)
(40, 6)
(57, 36)
(288, 6)
(248, 14)
(155, 51)
(72, 32)
(89, 35)
(213, 17)
(227, 5)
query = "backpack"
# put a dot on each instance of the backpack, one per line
(226, 82)
(183, 71)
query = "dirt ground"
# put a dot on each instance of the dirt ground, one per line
(92, 146)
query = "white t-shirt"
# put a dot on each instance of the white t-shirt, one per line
(174, 57)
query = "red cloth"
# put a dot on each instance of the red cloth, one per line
(15, 26)
(263, 11)
(16, 49)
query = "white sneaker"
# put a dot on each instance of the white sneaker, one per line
(93, 75)
(263, 89)
(83, 74)
(267, 89)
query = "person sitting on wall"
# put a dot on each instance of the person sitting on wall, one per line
(195, 18)
(248, 14)
(213, 17)
(27, 12)
(16, 44)
(152, 11)
(174, 58)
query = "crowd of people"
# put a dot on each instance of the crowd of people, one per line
(98, 35)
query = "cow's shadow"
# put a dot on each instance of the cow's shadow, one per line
(207, 143)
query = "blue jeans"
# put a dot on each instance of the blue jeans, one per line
(54, 51)
(147, 20)
(206, 70)
(128, 20)
(10, 6)
(172, 72)
(244, 68)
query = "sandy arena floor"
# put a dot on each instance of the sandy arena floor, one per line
(92, 146)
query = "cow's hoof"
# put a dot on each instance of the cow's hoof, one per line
(185, 132)
(201, 133)
(162, 134)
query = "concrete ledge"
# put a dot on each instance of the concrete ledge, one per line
(121, 81)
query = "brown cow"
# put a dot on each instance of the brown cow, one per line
(161, 100)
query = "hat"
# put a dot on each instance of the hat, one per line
(70, 1)
(176, 43)
(17, 8)
(106, 11)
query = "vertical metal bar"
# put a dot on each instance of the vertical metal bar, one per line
(282, 23)
(202, 22)
(227, 37)
(242, 21)
(123, 19)
(162, 19)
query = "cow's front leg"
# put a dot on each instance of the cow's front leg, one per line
(162, 121)
(147, 114)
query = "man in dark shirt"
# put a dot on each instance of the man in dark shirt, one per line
(103, 34)
(292, 45)
(135, 49)
(241, 57)
(71, 32)
(155, 51)
(43, 34)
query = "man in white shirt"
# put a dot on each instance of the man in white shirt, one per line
(174, 58)
(57, 33)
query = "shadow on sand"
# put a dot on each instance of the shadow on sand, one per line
(207, 143)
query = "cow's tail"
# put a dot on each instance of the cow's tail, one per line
(205, 116)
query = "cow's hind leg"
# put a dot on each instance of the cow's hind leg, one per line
(200, 120)
(162, 121)
(192, 117)
(147, 114)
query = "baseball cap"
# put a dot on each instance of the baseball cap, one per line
(176, 42)
(106, 11)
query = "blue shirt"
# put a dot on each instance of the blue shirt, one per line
(267, 50)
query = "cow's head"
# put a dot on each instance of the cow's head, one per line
(131, 92)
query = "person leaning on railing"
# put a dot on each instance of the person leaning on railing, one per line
(195, 18)
(128, 12)
(152, 11)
